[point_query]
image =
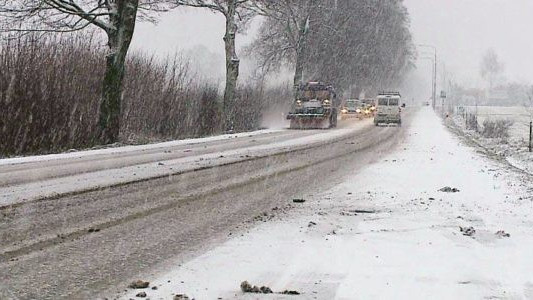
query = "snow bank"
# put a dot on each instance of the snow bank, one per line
(133, 148)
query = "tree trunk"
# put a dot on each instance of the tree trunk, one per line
(301, 47)
(300, 52)
(232, 64)
(119, 39)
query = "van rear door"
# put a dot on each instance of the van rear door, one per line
(388, 105)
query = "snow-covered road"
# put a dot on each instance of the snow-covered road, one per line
(32, 178)
(386, 232)
(161, 204)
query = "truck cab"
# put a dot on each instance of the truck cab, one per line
(315, 107)
(388, 109)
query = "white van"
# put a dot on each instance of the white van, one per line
(388, 108)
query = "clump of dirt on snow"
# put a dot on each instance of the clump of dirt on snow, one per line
(468, 231)
(141, 295)
(448, 189)
(139, 284)
(289, 292)
(246, 287)
(502, 234)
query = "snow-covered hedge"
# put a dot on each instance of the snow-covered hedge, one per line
(50, 91)
(496, 128)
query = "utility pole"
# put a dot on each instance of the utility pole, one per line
(443, 97)
(434, 87)
(435, 79)
(476, 114)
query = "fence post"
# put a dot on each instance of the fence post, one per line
(530, 134)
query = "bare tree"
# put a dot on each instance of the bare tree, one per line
(116, 18)
(284, 35)
(364, 43)
(491, 67)
(236, 13)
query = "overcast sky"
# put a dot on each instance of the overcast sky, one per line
(462, 30)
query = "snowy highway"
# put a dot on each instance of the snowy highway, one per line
(292, 150)
(373, 225)
(79, 224)
(35, 178)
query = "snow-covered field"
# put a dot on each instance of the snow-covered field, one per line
(384, 233)
(515, 149)
(521, 116)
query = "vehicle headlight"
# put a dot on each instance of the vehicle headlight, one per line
(358, 110)
(344, 111)
(326, 101)
(298, 102)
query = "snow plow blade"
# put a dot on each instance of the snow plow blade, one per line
(309, 121)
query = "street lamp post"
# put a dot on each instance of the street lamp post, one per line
(434, 86)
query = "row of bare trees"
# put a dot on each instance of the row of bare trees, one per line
(335, 40)
(362, 45)
(117, 19)
(48, 99)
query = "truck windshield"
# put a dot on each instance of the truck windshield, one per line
(312, 94)
(383, 101)
(393, 102)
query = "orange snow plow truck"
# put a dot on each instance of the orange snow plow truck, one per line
(315, 107)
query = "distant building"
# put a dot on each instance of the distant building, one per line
(468, 100)
(469, 97)
(497, 97)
